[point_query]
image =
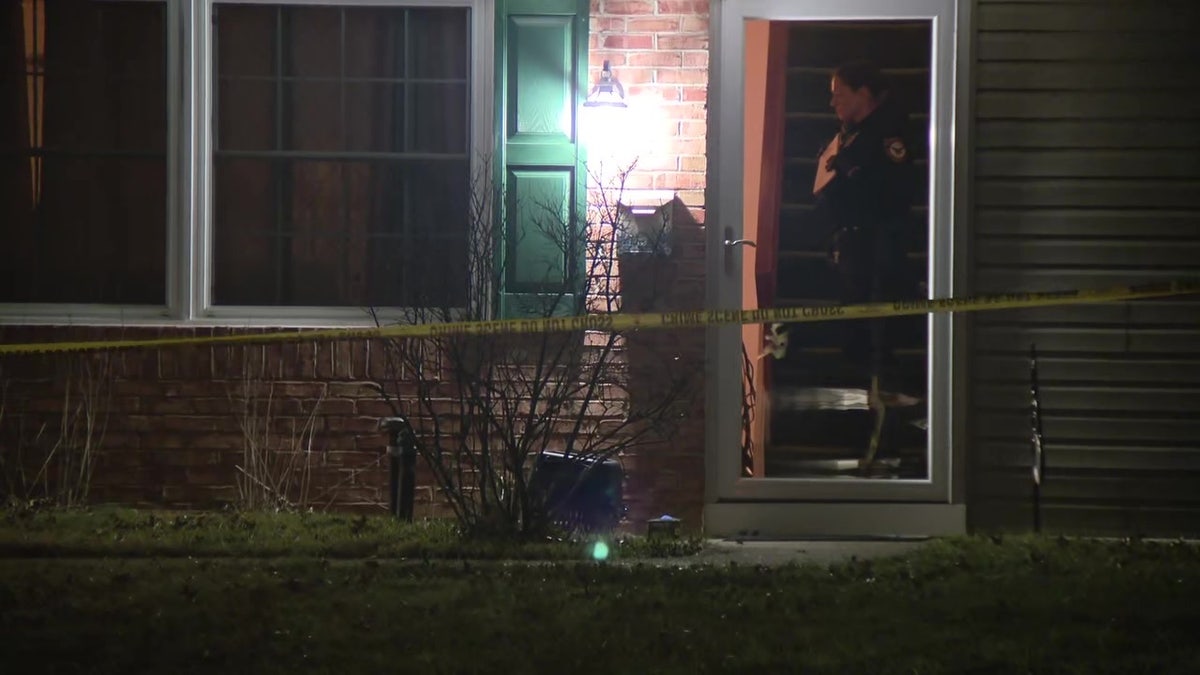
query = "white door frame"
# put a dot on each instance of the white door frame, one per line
(797, 507)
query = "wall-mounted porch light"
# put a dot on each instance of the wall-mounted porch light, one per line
(608, 91)
(613, 144)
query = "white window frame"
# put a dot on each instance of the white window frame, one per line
(190, 76)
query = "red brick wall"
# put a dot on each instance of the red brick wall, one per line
(658, 49)
(173, 435)
(172, 419)
(667, 476)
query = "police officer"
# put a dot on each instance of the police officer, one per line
(864, 187)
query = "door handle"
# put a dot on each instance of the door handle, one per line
(731, 245)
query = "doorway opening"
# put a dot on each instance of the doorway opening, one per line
(811, 416)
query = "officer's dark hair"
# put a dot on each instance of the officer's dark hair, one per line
(863, 73)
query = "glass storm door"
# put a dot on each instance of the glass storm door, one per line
(796, 440)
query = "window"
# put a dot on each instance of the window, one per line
(83, 152)
(341, 156)
(238, 162)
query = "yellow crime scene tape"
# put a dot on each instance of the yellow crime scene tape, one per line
(646, 321)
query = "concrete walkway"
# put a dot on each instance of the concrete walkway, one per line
(776, 553)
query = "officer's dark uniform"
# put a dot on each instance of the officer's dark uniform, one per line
(866, 209)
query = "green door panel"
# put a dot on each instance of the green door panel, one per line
(537, 250)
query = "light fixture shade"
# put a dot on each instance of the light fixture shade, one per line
(608, 91)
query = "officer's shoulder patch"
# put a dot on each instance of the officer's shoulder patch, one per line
(896, 150)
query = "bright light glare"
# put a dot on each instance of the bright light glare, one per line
(600, 551)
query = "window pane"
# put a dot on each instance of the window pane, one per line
(253, 127)
(313, 114)
(439, 117)
(341, 176)
(311, 41)
(365, 233)
(245, 40)
(428, 29)
(378, 47)
(83, 172)
(375, 116)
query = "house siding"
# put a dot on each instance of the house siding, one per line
(1086, 175)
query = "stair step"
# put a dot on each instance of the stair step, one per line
(833, 469)
(907, 333)
(836, 398)
(795, 452)
(844, 428)
(832, 465)
(814, 275)
(828, 367)
(800, 229)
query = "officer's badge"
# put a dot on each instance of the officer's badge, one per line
(895, 149)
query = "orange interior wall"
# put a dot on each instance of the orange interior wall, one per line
(757, 51)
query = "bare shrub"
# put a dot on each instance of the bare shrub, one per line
(275, 471)
(49, 455)
(490, 411)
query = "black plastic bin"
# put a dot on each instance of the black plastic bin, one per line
(595, 505)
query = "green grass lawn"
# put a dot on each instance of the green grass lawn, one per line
(124, 532)
(961, 605)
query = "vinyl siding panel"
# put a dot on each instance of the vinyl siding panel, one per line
(1087, 174)
(1077, 47)
(1087, 135)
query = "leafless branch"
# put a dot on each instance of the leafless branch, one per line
(487, 409)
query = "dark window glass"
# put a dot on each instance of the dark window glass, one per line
(341, 156)
(83, 170)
